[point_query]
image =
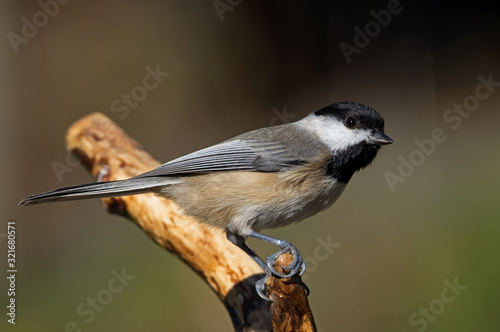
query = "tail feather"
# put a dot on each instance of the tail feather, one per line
(100, 190)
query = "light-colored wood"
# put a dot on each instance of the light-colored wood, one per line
(107, 151)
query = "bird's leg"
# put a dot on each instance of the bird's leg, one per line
(260, 285)
(297, 266)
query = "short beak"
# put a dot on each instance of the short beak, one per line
(379, 138)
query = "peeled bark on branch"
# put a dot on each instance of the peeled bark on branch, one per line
(109, 152)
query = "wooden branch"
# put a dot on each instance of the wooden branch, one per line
(290, 309)
(106, 150)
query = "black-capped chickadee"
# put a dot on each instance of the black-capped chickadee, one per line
(265, 178)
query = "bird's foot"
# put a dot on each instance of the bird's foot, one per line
(297, 266)
(261, 287)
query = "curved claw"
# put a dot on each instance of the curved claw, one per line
(297, 265)
(260, 287)
(302, 269)
(271, 261)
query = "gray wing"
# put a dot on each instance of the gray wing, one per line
(263, 150)
(236, 155)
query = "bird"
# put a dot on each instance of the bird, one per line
(262, 179)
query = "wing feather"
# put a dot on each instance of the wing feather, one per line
(248, 155)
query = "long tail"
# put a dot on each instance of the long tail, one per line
(101, 190)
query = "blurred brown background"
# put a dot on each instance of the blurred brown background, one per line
(394, 251)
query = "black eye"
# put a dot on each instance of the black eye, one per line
(351, 122)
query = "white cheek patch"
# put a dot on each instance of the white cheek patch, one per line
(332, 132)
